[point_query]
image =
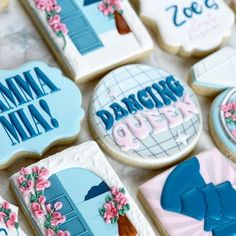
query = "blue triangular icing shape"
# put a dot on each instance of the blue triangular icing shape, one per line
(89, 2)
(186, 192)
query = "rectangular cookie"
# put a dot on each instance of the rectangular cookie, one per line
(76, 192)
(88, 37)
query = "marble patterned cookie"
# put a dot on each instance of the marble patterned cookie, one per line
(214, 73)
(77, 193)
(39, 108)
(144, 116)
(187, 27)
(222, 120)
(90, 37)
(196, 197)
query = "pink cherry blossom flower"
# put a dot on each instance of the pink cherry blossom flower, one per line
(121, 199)
(12, 221)
(37, 210)
(25, 185)
(58, 206)
(46, 5)
(228, 114)
(48, 208)
(106, 9)
(50, 232)
(57, 219)
(233, 132)
(42, 172)
(24, 171)
(41, 184)
(111, 212)
(6, 205)
(2, 216)
(54, 20)
(42, 199)
(225, 108)
(63, 233)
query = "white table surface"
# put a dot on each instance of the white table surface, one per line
(20, 43)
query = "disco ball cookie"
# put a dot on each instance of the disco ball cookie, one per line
(145, 117)
(196, 197)
(186, 27)
(40, 108)
(222, 121)
(90, 37)
(95, 204)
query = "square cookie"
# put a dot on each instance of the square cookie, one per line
(196, 197)
(90, 37)
(76, 192)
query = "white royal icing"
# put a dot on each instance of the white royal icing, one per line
(190, 26)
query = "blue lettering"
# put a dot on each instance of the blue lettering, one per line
(132, 104)
(175, 86)
(145, 101)
(119, 111)
(106, 118)
(175, 16)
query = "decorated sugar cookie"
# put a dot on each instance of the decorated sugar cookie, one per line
(214, 73)
(196, 197)
(222, 121)
(4, 4)
(144, 116)
(186, 27)
(90, 37)
(95, 204)
(38, 109)
(9, 224)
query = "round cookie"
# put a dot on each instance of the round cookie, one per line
(186, 27)
(144, 116)
(222, 121)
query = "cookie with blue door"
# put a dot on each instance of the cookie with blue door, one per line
(145, 116)
(9, 224)
(196, 197)
(39, 109)
(90, 37)
(187, 27)
(76, 192)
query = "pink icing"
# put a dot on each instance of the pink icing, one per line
(108, 7)
(213, 168)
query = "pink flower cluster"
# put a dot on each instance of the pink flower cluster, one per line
(33, 183)
(7, 216)
(54, 20)
(108, 7)
(234, 132)
(229, 107)
(115, 206)
(54, 218)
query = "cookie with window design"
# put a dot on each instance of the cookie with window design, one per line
(145, 116)
(90, 37)
(76, 192)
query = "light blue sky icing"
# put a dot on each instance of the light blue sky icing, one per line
(77, 182)
(59, 96)
(217, 124)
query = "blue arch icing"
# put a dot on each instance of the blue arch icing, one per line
(186, 192)
(4, 231)
(82, 193)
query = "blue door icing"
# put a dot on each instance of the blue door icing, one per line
(82, 193)
(89, 2)
(81, 32)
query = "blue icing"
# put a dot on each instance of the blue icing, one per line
(181, 16)
(183, 193)
(213, 209)
(33, 110)
(159, 94)
(194, 204)
(183, 178)
(217, 124)
(86, 196)
(227, 230)
(227, 196)
(3, 232)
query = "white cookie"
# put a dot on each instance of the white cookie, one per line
(144, 116)
(187, 27)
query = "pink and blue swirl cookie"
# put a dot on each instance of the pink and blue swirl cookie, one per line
(188, 27)
(196, 197)
(90, 37)
(144, 116)
(77, 193)
(39, 108)
(222, 120)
